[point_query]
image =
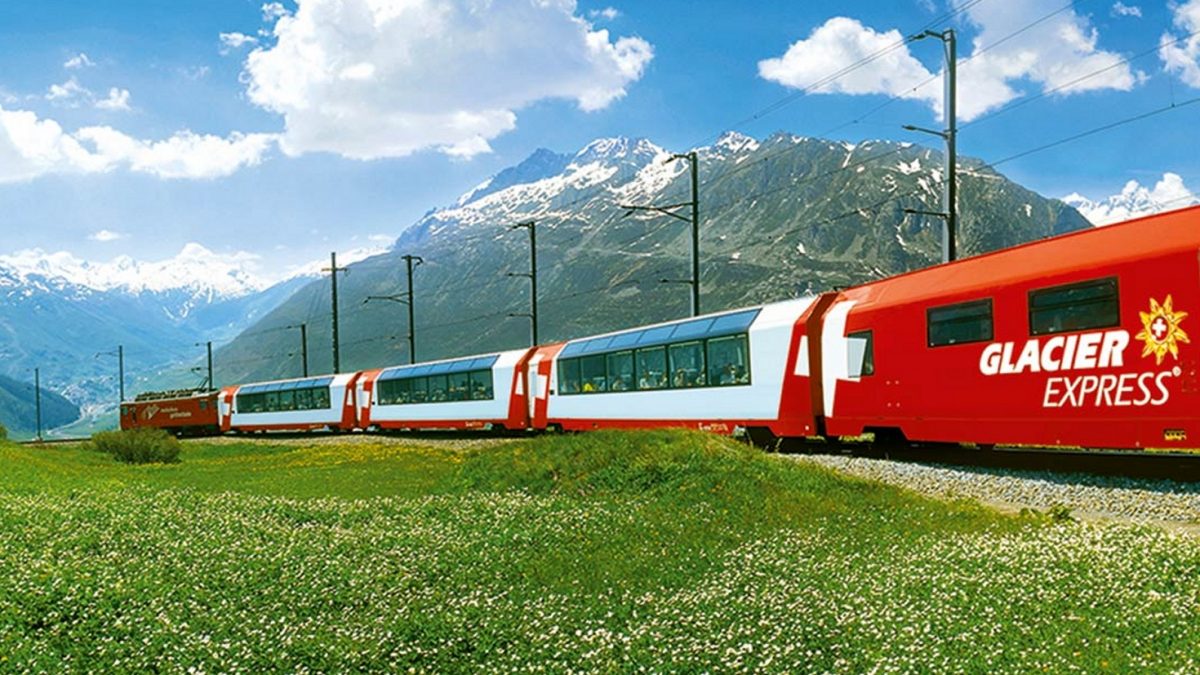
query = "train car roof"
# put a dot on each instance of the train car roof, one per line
(716, 324)
(460, 364)
(1045, 259)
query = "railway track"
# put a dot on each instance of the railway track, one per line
(1180, 467)
(52, 441)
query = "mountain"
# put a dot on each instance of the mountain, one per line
(18, 408)
(1135, 200)
(61, 314)
(779, 217)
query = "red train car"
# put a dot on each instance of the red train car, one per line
(179, 412)
(1079, 340)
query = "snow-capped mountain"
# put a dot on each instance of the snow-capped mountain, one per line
(778, 216)
(194, 269)
(58, 311)
(1135, 200)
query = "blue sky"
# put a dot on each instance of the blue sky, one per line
(170, 132)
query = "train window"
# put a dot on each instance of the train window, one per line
(272, 401)
(389, 391)
(419, 389)
(460, 387)
(481, 385)
(860, 354)
(568, 377)
(1082, 306)
(437, 388)
(620, 371)
(687, 364)
(287, 400)
(728, 361)
(960, 324)
(652, 368)
(304, 399)
(321, 398)
(592, 374)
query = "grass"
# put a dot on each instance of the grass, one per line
(668, 551)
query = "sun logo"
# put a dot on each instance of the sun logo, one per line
(1161, 330)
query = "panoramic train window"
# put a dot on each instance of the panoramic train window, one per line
(284, 396)
(418, 390)
(620, 371)
(861, 354)
(399, 386)
(960, 324)
(703, 352)
(1090, 304)
(652, 368)
(728, 361)
(568, 376)
(481, 385)
(437, 388)
(687, 365)
(460, 387)
(591, 371)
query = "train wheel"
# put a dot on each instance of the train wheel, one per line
(762, 437)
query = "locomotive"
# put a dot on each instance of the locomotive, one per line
(1076, 340)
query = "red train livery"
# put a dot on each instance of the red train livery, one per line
(182, 412)
(1078, 340)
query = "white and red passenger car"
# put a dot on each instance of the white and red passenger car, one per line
(1078, 340)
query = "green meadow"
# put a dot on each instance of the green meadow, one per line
(598, 552)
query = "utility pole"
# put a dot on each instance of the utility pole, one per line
(303, 344)
(37, 399)
(120, 354)
(410, 262)
(669, 210)
(212, 386)
(949, 210)
(333, 270)
(530, 225)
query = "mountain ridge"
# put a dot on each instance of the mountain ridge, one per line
(779, 216)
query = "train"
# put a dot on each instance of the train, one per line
(1076, 340)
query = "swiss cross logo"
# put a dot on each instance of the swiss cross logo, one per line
(1160, 330)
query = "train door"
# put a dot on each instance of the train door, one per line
(364, 395)
(538, 379)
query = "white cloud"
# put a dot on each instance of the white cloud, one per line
(837, 44)
(381, 238)
(1182, 56)
(80, 60)
(232, 41)
(607, 14)
(195, 73)
(367, 79)
(1048, 55)
(273, 10)
(1121, 9)
(118, 99)
(1135, 200)
(68, 94)
(32, 147)
(105, 235)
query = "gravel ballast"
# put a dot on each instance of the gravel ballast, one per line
(1089, 496)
